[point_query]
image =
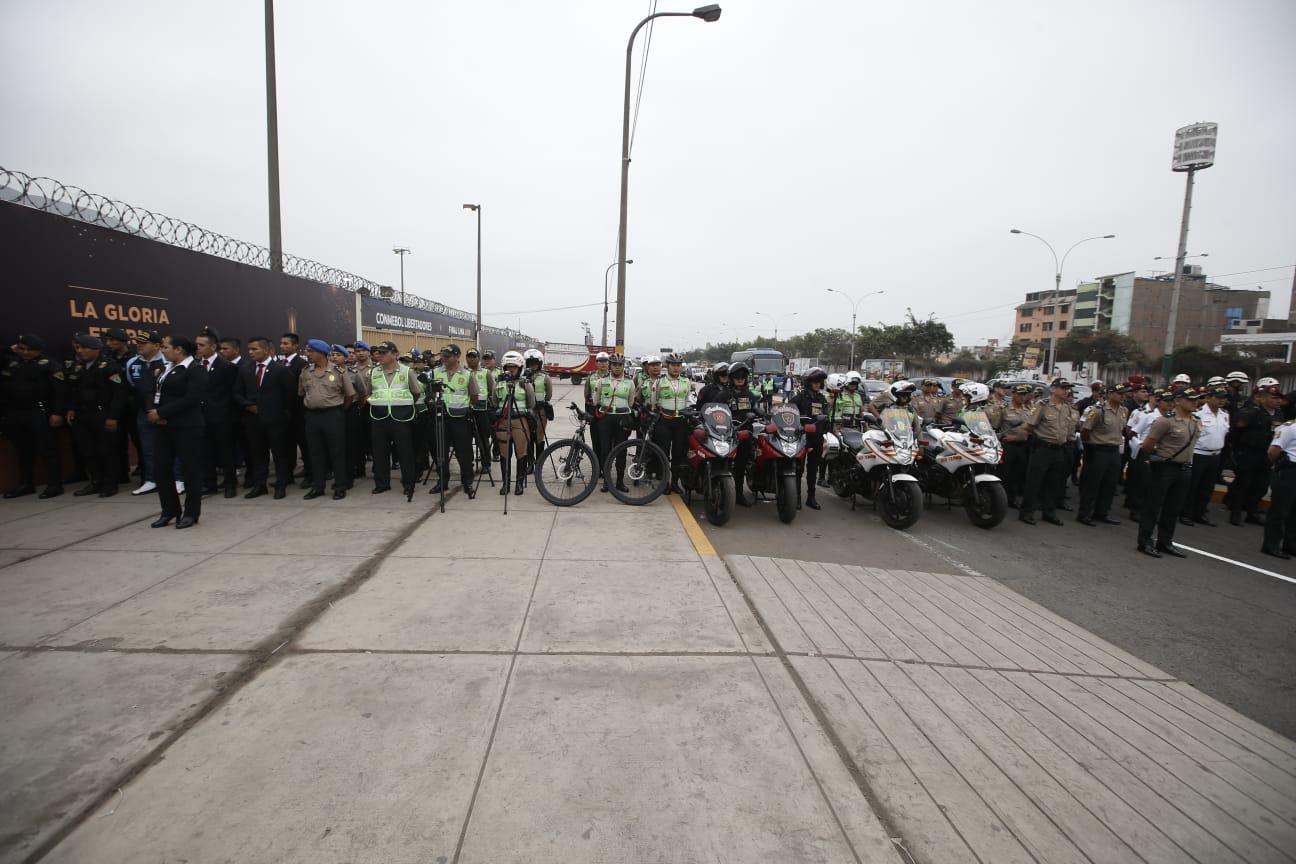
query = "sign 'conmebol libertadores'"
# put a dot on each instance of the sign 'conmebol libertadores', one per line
(1194, 147)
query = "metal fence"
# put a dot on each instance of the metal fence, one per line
(72, 202)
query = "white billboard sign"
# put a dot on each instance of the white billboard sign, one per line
(1194, 147)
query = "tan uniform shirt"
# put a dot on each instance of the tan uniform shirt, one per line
(928, 407)
(1053, 423)
(1011, 421)
(951, 409)
(1104, 424)
(1175, 437)
(329, 387)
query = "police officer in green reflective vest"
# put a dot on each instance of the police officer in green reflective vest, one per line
(616, 395)
(457, 389)
(849, 404)
(669, 397)
(593, 386)
(391, 391)
(485, 380)
(543, 388)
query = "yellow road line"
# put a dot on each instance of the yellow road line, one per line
(701, 544)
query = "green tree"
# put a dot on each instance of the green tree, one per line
(1104, 347)
(923, 338)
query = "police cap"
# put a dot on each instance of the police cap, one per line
(31, 340)
(115, 333)
(144, 337)
(85, 340)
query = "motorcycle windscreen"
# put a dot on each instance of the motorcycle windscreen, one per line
(898, 423)
(979, 424)
(787, 420)
(718, 421)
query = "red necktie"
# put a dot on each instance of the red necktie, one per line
(206, 361)
(260, 374)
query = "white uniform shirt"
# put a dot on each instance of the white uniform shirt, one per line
(1139, 423)
(1285, 438)
(1214, 426)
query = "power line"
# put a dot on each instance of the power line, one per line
(643, 72)
(1245, 272)
(554, 309)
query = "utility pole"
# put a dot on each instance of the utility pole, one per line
(477, 208)
(272, 142)
(402, 252)
(1194, 149)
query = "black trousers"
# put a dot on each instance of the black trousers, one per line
(1098, 483)
(1166, 488)
(1016, 457)
(1250, 481)
(388, 436)
(268, 441)
(614, 428)
(218, 452)
(482, 434)
(354, 448)
(459, 434)
(810, 465)
(671, 435)
(1047, 471)
(598, 439)
(99, 448)
(297, 441)
(187, 445)
(1280, 523)
(32, 437)
(1071, 460)
(1201, 485)
(326, 443)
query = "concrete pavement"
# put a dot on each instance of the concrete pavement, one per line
(370, 681)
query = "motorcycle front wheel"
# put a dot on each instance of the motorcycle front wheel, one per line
(899, 503)
(720, 500)
(785, 496)
(986, 504)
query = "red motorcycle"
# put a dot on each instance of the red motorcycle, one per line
(712, 448)
(780, 449)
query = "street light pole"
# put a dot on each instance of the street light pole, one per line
(776, 321)
(706, 13)
(1057, 283)
(854, 310)
(477, 208)
(272, 142)
(605, 300)
(402, 252)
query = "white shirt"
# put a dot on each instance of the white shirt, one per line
(1139, 423)
(1214, 426)
(1285, 438)
(157, 393)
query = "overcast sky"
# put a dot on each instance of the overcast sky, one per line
(789, 148)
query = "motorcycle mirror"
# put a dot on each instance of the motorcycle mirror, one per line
(771, 429)
(744, 435)
(810, 428)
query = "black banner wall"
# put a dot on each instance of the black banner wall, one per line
(61, 276)
(384, 315)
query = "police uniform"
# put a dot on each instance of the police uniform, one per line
(458, 395)
(1280, 525)
(97, 398)
(33, 394)
(593, 385)
(744, 404)
(613, 408)
(358, 436)
(1102, 431)
(669, 397)
(1206, 462)
(1051, 426)
(325, 393)
(131, 426)
(1016, 445)
(928, 406)
(846, 408)
(1252, 434)
(515, 405)
(391, 397)
(812, 404)
(485, 381)
(141, 377)
(1169, 470)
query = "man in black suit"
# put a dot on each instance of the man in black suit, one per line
(177, 416)
(231, 351)
(266, 391)
(290, 349)
(218, 401)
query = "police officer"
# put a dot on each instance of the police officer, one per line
(592, 387)
(613, 409)
(1207, 452)
(929, 404)
(33, 400)
(457, 390)
(812, 402)
(1016, 441)
(117, 346)
(515, 407)
(358, 436)
(543, 387)
(669, 397)
(744, 404)
(1280, 525)
(1095, 397)
(848, 405)
(954, 403)
(1102, 431)
(1253, 433)
(97, 400)
(326, 392)
(391, 392)
(142, 371)
(716, 389)
(645, 382)
(485, 381)
(767, 391)
(1051, 425)
(1168, 448)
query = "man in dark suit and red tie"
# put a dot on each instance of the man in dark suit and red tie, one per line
(218, 397)
(266, 391)
(177, 417)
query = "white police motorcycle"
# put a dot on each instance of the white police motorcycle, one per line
(878, 463)
(958, 464)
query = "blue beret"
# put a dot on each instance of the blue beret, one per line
(362, 345)
(341, 349)
(318, 345)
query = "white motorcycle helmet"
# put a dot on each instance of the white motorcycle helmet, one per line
(511, 358)
(1268, 385)
(1181, 378)
(1215, 381)
(836, 381)
(649, 359)
(602, 355)
(974, 393)
(902, 391)
(854, 376)
(533, 354)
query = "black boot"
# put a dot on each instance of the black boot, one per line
(620, 482)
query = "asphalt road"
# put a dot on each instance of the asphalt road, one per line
(1225, 629)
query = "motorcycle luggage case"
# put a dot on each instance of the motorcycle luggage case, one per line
(831, 446)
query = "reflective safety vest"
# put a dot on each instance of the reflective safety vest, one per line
(519, 408)
(847, 406)
(454, 390)
(393, 401)
(615, 394)
(483, 387)
(540, 386)
(673, 394)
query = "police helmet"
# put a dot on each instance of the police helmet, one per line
(1238, 376)
(902, 391)
(815, 373)
(1181, 378)
(738, 370)
(533, 354)
(651, 359)
(674, 358)
(720, 369)
(975, 393)
(836, 381)
(853, 377)
(511, 358)
(601, 356)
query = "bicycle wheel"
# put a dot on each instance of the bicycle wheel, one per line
(642, 476)
(566, 472)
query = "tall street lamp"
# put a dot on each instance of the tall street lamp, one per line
(1057, 283)
(854, 310)
(605, 299)
(776, 321)
(477, 208)
(705, 13)
(272, 141)
(402, 252)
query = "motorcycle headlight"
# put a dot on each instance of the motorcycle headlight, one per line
(790, 448)
(720, 448)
